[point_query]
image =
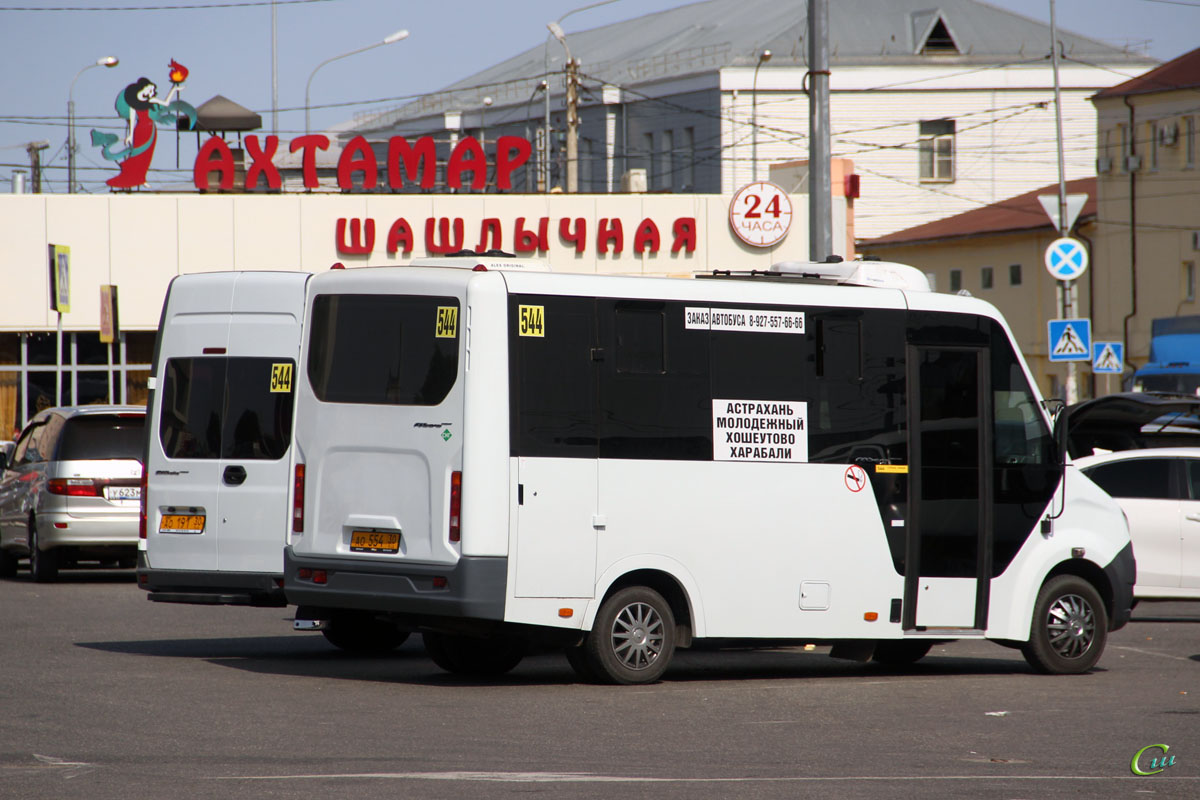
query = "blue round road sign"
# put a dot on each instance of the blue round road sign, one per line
(1066, 259)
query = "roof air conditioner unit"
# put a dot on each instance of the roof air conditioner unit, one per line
(1133, 163)
(1168, 135)
(1103, 165)
(634, 180)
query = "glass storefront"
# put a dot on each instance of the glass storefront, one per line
(92, 372)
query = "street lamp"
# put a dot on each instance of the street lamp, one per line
(395, 37)
(763, 58)
(107, 61)
(557, 24)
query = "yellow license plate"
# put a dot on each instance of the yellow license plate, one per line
(181, 523)
(374, 542)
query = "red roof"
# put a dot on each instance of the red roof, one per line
(1179, 73)
(1021, 213)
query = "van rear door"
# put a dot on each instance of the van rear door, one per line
(219, 461)
(380, 415)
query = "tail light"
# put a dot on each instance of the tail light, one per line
(144, 483)
(455, 506)
(298, 500)
(74, 487)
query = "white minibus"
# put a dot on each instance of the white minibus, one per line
(622, 466)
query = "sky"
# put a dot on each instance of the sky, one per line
(226, 44)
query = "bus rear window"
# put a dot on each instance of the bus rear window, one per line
(383, 349)
(227, 408)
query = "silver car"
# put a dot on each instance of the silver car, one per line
(71, 490)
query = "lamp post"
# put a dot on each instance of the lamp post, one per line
(546, 61)
(572, 110)
(107, 61)
(395, 37)
(541, 87)
(763, 58)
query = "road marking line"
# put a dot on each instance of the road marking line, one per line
(1148, 652)
(584, 777)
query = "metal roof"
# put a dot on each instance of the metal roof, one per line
(707, 36)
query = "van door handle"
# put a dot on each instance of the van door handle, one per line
(234, 475)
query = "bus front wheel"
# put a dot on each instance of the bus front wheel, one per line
(1070, 627)
(633, 638)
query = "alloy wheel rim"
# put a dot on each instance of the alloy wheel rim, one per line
(637, 636)
(1071, 626)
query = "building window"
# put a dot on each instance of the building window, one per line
(1154, 131)
(956, 280)
(936, 150)
(1014, 274)
(687, 154)
(985, 278)
(666, 168)
(649, 158)
(1124, 132)
(1189, 141)
(1189, 281)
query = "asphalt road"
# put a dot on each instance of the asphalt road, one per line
(105, 695)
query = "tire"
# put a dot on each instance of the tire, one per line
(900, 653)
(1069, 628)
(8, 564)
(43, 564)
(363, 634)
(633, 637)
(578, 659)
(470, 656)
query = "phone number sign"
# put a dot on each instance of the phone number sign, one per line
(761, 214)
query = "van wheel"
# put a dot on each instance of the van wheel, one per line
(1070, 627)
(8, 564)
(467, 655)
(43, 564)
(363, 634)
(633, 638)
(578, 659)
(900, 653)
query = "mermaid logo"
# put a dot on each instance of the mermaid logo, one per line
(1157, 762)
(141, 108)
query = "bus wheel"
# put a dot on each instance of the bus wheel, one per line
(1069, 627)
(363, 634)
(467, 655)
(633, 638)
(900, 653)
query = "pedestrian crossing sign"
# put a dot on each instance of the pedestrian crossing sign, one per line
(1108, 357)
(1070, 339)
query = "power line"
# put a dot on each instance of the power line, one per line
(192, 7)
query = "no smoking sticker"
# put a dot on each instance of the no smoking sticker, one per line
(856, 478)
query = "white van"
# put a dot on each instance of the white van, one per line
(620, 466)
(218, 459)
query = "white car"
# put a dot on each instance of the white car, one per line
(1159, 490)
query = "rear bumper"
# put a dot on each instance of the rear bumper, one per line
(82, 531)
(1122, 574)
(261, 589)
(475, 587)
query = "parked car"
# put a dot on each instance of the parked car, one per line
(72, 491)
(1132, 421)
(1159, 491)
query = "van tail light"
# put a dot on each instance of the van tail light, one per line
(298, 500)
(144, 483)
(74, 487)
(455, 506)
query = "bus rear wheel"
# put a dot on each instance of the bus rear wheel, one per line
(468, 655)
(900, 653)
(1070, 627)
(633, 638)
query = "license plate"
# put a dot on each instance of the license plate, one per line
(374, 542)
(181, 523)
(123, 492)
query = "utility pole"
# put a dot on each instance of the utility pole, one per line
(820, 222)
(572, 125)
(1068, 306)
(35, 163)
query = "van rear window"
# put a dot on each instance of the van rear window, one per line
(227, 408)
(383, 349)
(94, 437)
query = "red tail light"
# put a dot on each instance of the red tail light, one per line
(455, 506)
(74, 487)
(144, 482)
(298, 500)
